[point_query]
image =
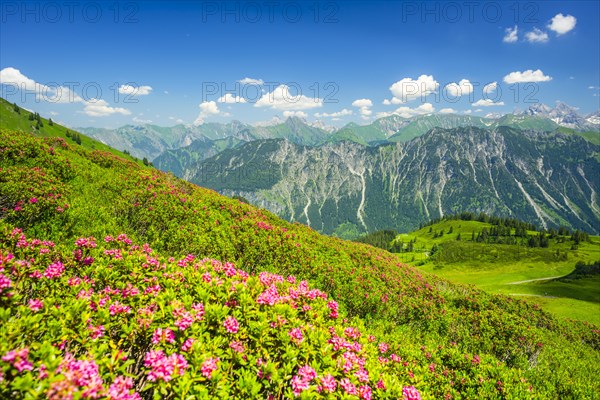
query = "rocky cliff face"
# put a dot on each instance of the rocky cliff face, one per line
(546, 178)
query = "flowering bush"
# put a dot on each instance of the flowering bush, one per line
(158, 312)
(100, 333)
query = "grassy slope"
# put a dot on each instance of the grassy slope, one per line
(591, 136)
(494, 267)
(10, 119)
(107, 195)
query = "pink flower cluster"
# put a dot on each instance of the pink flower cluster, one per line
(363, 392)
(301, 381)
(264, 225)
(187, 345)
(5, 283)
(209, 366)
(163, 335)
(54, 270)
(199, 309)
(303, 291)
(186, 260)
(96, 331)
(348, 386)
(184, 319)
(130, 291)
(333, 306)
(352, 333)
(124, 239)
(237, 346)
(340, 343)
(383, 347)
(79, 374)
(231, 324)
(36, 304)
(268, 278)
(121, 389)
(163, 367)
(269, 296)
(410, 393)
(118, 308)
(296, 335)
(19, 359)
(86, 243)
(152, 290)
(328, 384)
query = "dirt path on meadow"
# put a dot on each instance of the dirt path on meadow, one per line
(534, 280)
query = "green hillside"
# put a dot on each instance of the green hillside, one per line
(422, 124)
(592, 136)
(126, 280)
(20, 121)
(513, 269)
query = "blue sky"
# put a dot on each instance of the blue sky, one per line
(182, 62)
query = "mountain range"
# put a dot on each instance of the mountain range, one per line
(151, 141)
(538, 165)
(548, 178)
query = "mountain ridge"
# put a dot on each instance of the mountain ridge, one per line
(503, 171)
(392, 128)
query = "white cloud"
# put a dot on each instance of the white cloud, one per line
(362, 103)
(166, 92)
(562, 24)
(383, 114)
(135, 90)
(467, 111)
(464, 87)
(53, 94)
(364, 107)
(281, 99)
(337, 114)
(511, 35)
(447, 111)
(12, 76)
(493, 115)
(63, 95)
(141, 121)
(53, 113)
(299, 114)
(393, 100)
(229, 98)
(536, 36)
(251, 81)
(207, 108)
(100, 108)
(408, 89)
(487, 103)
(527, 76)
(407, 112)
(490, 87)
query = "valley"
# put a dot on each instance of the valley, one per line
(517, 270)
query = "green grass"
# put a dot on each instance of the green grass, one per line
(10, 119)
(591, 136)
(496, 267)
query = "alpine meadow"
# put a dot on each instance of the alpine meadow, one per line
(299, 200)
